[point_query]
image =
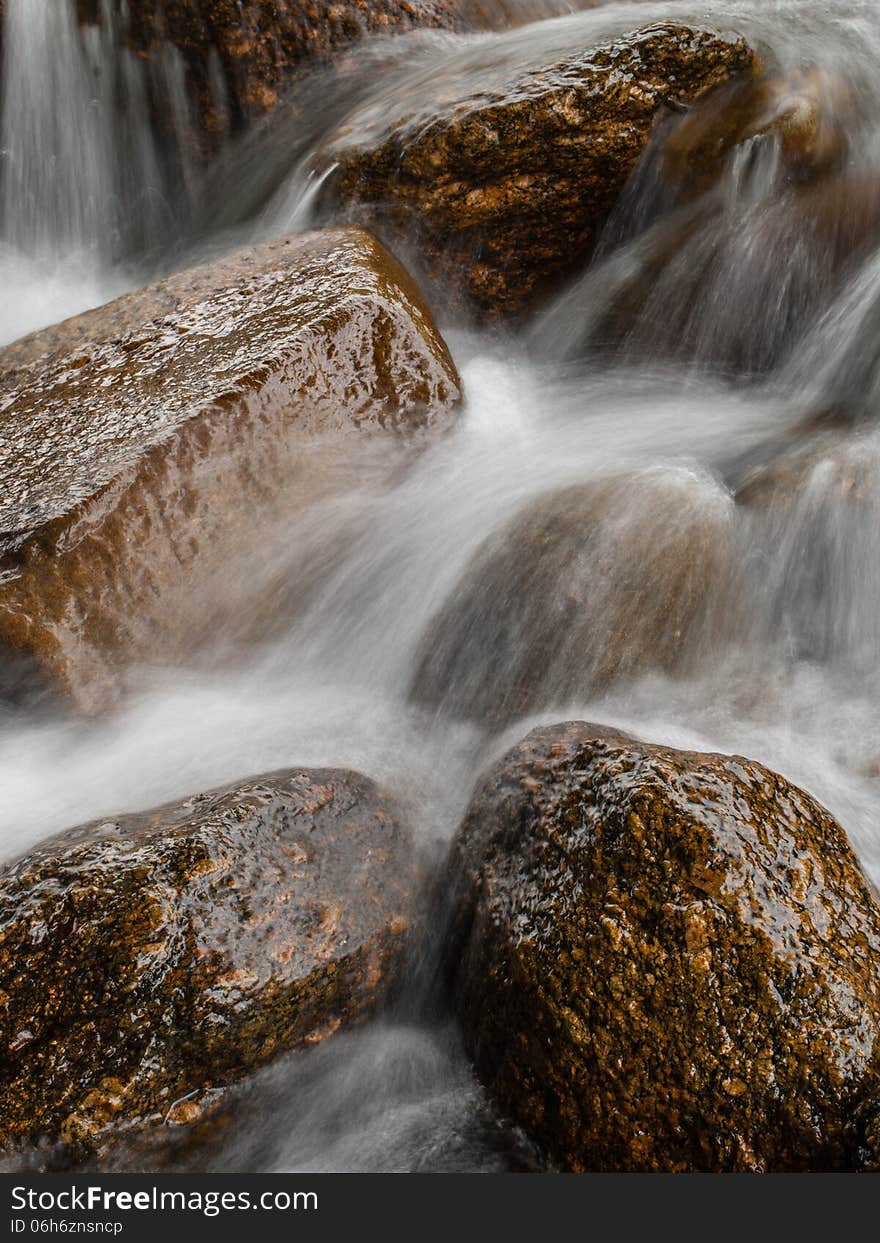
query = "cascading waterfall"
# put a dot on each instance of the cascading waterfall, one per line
(58, 184)
(742, 346)
(88, 189)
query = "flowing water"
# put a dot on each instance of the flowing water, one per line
(736, 411)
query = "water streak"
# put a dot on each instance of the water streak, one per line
(747, 372)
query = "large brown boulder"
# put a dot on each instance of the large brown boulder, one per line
(587, 586)
(150, 959)
(508, 187)
(667, 961)
(152, 443)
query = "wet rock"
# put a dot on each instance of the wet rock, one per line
(868, 1122)
(806, 114)
(148, 960)
(509, 186)
(845, 465)
(812, 518)
(702, 285)
(668, 961)
(240, 58)
(589, 585)
(150, 445)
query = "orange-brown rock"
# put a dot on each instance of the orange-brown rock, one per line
(241, 55)
(147, 447)
(148, 960)
(666, 961)
(589, 585)
(508, 187)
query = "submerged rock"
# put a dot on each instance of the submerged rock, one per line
(150, 959)
(668, 961)
(806, 114)
(510, 185)
(150, 445)
(589, 585)
(702, 285)
(812, 517)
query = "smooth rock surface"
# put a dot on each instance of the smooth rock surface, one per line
(586, 587)
(148, 960)
(702, 290)
(812, 517)
(148, 446)
(666, 961)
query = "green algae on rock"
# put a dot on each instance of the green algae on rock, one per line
(587, 586)
(508, 188)
(668, 961)
(147, 960)
(147, 446)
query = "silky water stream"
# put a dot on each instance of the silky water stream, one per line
(735, 413)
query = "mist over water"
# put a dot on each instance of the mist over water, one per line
(756, 411)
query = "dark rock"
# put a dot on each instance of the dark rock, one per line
(868, 1123)
(509, 187)
(668, 961)
(148, 960)
(588, 586)
(150, 444)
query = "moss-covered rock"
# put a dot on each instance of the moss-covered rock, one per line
(666, 961)
(508, 188)
(148, 960)
(152, 443)
(587, 586)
